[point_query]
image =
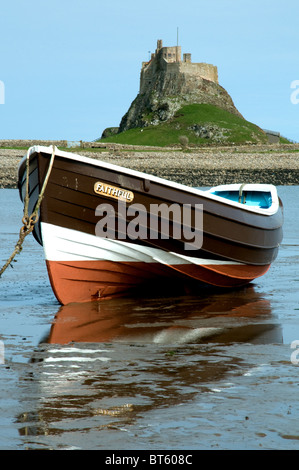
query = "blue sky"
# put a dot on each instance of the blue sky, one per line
(70, 68)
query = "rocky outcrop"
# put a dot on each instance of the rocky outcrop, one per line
(167, 92)
(109, 131)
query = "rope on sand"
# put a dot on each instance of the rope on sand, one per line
(29, 221)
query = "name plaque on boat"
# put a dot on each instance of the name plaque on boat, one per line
(114, 192)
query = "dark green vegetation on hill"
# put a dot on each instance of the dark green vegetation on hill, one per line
(200, 123)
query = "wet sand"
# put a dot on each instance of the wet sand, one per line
(209, 166)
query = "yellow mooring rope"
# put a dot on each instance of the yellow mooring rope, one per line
(29, 221)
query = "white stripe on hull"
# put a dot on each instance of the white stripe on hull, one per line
(63, 244)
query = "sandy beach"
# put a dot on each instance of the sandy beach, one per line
(206, 166)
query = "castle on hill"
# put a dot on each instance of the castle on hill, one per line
(168, 82)
(169, 60)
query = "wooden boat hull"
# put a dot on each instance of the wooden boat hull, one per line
(238, 243)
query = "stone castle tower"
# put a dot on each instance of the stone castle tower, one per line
(167, 83)
(169, 60)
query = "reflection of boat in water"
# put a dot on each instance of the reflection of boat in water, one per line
(111, 375)
(218, 317)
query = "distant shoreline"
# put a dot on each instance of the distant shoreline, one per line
(204, 166)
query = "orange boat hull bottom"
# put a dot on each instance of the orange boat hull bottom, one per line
(84, 281)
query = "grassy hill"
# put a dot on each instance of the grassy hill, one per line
(201, 124)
